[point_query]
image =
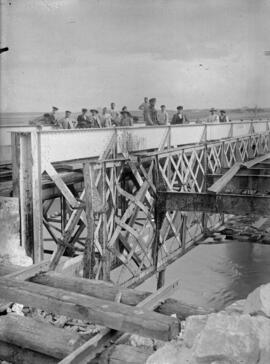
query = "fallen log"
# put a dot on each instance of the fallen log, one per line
(18, 355)
(38, 336)
(94, 288)
(105, 313)
(108, 291)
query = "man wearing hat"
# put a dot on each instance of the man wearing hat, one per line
(95, 119)
(126, 119)
(179, 117)
(67, 122)
(151, 115)
(83, 120)
(213, 117)
(223, 118)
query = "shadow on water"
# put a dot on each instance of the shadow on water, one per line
(216, 275)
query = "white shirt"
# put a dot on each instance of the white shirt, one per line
(163, 117)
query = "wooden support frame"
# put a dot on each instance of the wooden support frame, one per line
(221, 203)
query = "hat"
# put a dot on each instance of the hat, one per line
(55, 108)
(179, 108)
(223, 111)
(162, 106)
(153, 99)
(67, 111)
(84, 110)
(213, 109)
(94, 110)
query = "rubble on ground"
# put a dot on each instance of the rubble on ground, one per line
(240, 334)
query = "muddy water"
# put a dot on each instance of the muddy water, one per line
(216, 275)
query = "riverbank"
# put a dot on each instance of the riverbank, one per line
(239, 334)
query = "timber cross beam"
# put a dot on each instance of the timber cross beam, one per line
(241, 182)
(235, 204)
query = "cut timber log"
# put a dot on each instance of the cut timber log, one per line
(114, 315)
(108, 291)
(38, 336)
(97, 344)
(94, 288)
(18, 355)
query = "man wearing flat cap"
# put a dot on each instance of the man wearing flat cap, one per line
(83, 120)
(179, 117)
(151, 116)
(213, 117)
(223, 118)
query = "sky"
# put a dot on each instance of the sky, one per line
(87, 53)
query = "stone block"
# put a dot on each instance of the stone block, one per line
(227, 338)
(258, 301)
(193, 327)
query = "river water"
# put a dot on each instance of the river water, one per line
(216, 275)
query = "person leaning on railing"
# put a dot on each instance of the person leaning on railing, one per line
(47, 119)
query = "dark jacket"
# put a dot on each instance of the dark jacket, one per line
(83, 122)
(179, 120)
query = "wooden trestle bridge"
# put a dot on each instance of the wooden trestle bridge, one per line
(124, 203)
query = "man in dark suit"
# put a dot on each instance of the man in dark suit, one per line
(83, 120)
(179, 117)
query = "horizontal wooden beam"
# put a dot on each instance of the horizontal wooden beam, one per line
(221, 203)
(240, 182)
(110, 314)
(90, 287)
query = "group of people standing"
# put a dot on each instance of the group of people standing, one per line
(153, 117)
(112, 117)
(107, 118)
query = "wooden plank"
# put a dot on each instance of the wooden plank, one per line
(61, 185)
(221, 203)
(37, 198)
(38, 336)
(110, 314)
(89, 249)
(17, 355)
(257, 160)
(221, 183)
